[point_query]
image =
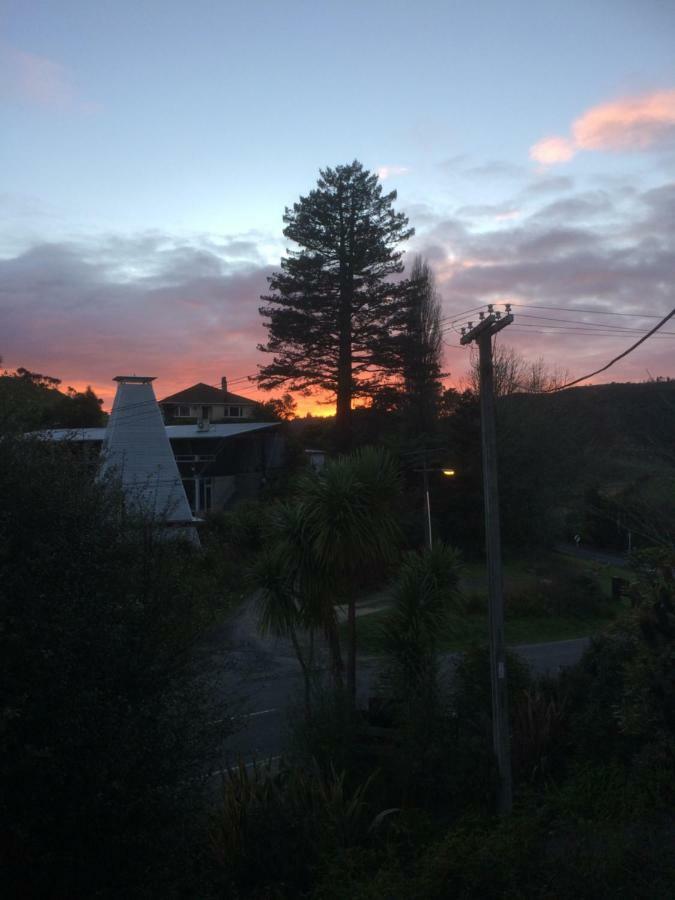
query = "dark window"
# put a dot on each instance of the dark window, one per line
(204, 493)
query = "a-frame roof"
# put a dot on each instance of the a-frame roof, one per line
(136, 449)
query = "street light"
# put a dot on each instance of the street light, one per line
(449, 473)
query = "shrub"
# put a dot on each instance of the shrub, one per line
(270, 831)
(104, 730)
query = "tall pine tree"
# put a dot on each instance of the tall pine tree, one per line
(331, 308)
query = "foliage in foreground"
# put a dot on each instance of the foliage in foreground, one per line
(104, 741)
(593, 817)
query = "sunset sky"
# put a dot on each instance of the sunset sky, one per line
(149, 148)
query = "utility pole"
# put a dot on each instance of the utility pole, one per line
(482, 334)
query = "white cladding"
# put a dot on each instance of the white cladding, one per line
(136, 447)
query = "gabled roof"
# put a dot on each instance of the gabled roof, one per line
(205, 393)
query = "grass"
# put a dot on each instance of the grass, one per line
(520, 576)
(463, 632)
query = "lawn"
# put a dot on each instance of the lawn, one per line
(462, 632)
(524, 576)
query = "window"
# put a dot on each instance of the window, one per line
(235, 411)
(204, 493)
(198, 492)
(183, 412)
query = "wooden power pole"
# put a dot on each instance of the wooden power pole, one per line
(482, 334)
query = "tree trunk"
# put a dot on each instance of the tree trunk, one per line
(337, 665)
(351, 660)
(343, 419)
(306, 674)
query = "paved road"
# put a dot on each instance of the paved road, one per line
(264, 675)
(601, 556)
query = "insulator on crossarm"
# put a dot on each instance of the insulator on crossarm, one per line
(508, 308)
(481, 316)
(498, 315)
(470, 325)
(490, 308)
(463, 331)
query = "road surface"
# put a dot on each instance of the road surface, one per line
(264, 676)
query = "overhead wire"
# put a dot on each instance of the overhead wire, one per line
(578, 309)
(557, 330)
(603, 325)
(616, 359)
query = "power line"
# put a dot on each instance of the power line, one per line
(557, 330)
(578, 309)
(616, 358)
(547, 332)
(605, 325)
(458, 316)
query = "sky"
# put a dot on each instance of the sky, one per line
(148, 149)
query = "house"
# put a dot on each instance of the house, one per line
(206, 403)
(217, 463)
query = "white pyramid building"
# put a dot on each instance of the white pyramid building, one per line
(136, 448)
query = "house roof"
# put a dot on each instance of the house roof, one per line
(136, 447)
(205, 393)
(173, 432)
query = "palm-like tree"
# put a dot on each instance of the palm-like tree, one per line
(350, 516)
(425, 598)
(342, 522)
(294, 592)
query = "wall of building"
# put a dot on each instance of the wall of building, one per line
(217, 412)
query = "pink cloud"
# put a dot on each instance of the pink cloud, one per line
(39, 81)
(631, 123)
(551, 150)
(634, 123)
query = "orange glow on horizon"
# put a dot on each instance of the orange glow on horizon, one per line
(165, 387)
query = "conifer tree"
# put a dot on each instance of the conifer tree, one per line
(421, 344)
(331, 308)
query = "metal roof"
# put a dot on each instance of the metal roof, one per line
(136, 449)
(173, 432)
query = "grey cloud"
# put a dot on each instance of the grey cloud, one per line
(95, 307)
(453, 164)
(581, 207)
(496, 169)
(485, 210)
(620, 251)
(552, 184)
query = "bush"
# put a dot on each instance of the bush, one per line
(242, 529)
(270, 831)
(104, 734)
(577, 596)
